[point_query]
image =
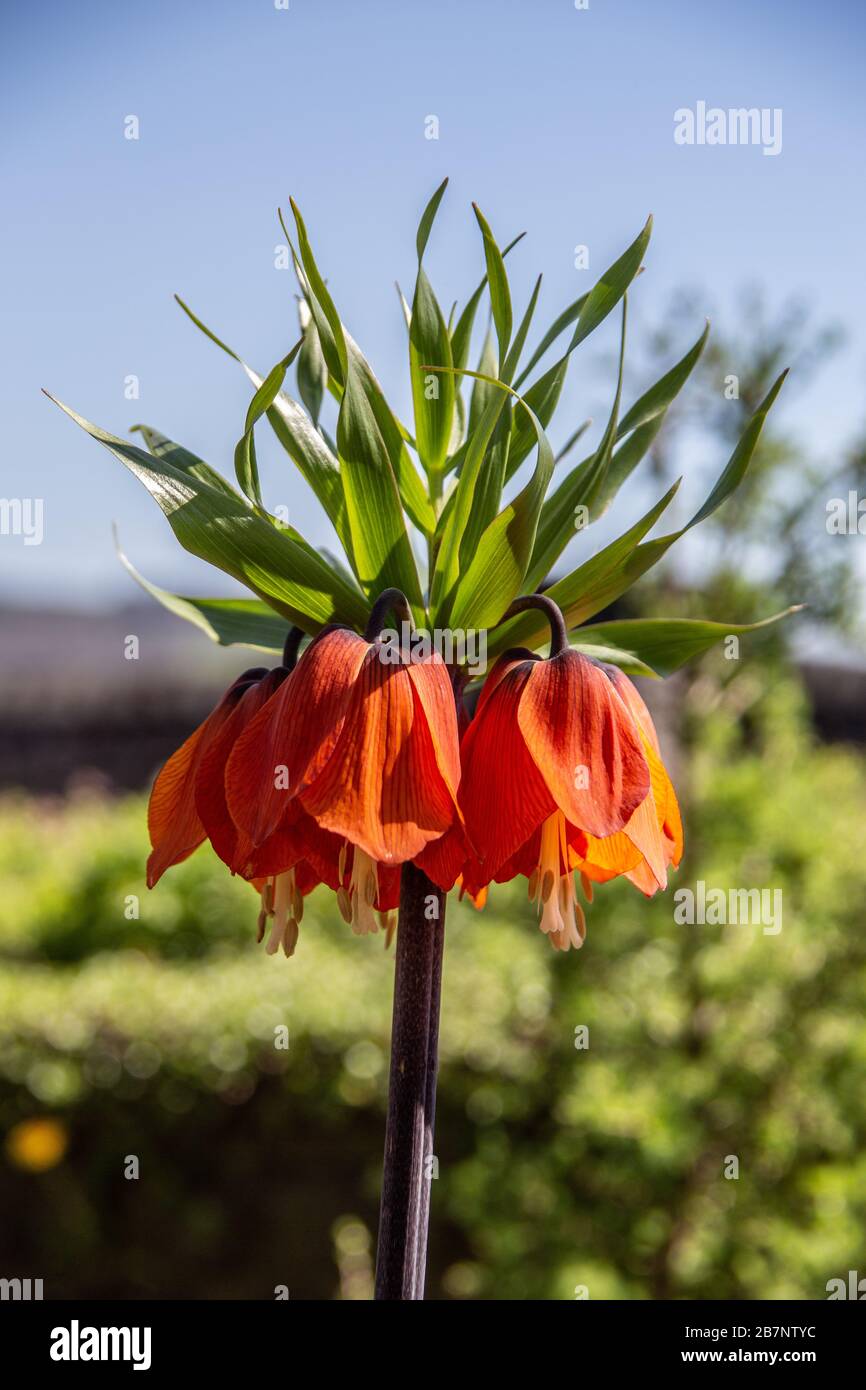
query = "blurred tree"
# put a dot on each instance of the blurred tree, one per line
(768, 546)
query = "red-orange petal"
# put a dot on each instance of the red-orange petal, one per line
(584, 742)
(381, 787)
(443, 860)
(435, 695)
(232, 846)
(296, 731)
(503, 794)
(172, 819)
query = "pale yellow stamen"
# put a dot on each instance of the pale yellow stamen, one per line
(562, 918)
(286, 901)
(363, 892)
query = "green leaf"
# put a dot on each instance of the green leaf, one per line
(572, 440)
(500, 295)
(245, 622)
(341, 354)
(428, 217)
(557, 521)
(246, 466)
(162, 447)
(457, 513)
(584, 591)
(461, 335)
(606, 294)
(542, 397)
(430, 345)
(482, 390)
(740, 458)
(304, 444)
(322, 306)
(276, 565)
(380, 542)
(559, 325)
(509, 367)
(625, 460)
(656, 400)
(643, 420)
(666, 644)
(626, 661)
(312, 369)
(498, 564)
(581, 601)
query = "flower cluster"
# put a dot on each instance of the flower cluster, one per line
(341, 767)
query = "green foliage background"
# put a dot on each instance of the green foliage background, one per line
(558, 1167)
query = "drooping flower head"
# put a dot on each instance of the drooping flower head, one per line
(357, 754)
(188, 806)
(561, 771)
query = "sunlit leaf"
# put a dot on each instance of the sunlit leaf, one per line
(274, 564)
(666, 644)
(246, 466)
(245, 622)
(430, 343)
(583, 592)
(500, 294)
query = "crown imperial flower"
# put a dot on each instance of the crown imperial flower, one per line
(365, 775)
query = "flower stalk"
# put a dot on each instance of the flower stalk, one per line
(401, 1259)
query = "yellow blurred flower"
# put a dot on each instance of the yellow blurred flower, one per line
(37, 1145)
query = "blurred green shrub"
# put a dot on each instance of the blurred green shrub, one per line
(154, 1037)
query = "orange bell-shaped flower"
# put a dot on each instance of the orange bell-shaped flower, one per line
(561, 771)
(362, 739)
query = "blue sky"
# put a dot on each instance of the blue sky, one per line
(554, 120)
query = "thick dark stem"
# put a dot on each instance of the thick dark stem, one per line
(402, 1250)
(430, 1097)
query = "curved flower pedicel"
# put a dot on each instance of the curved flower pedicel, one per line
(357, 755)
(561, 771)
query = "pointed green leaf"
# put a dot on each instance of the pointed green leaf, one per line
(245, 622)
(666, 644)
(276, 565)
(618, 580)
(305, 446)
(428, 217)
(447, 567)
(656, 400)
(430, 342)
(432, 395)
(461, 335)
(559, 514)
(606, 294)
(572, 440)
(246, 466)
(509, 366)
(380, 542)
(644, 420)
(312, 369)
(559, 325)
(740, 458)
(500, 294)
(495, 572)
(162, 447)
(584, 591)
